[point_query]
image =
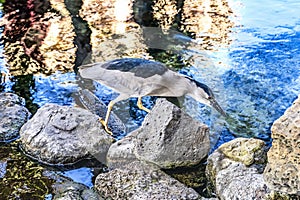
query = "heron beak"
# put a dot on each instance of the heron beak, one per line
(215, 104)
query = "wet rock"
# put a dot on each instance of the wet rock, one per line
(13, 115)
(171, 138)
(168, 137)
(246, 151)
(235, 169)
(64, 135)
(141, 181)
(96, 106)
(74, 191)
(282, 172)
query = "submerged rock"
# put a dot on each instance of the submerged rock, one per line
(96, 106)
(282, 172)
(13, 115)
(171, 138)
(235, 170)
(138, 180)
(168, 138)
(246, 151)
(64, 135)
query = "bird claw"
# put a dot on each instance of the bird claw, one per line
(104, 124)
(145, 109)
(141, 106)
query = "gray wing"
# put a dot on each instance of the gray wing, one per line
(128, 75)
(139, 67)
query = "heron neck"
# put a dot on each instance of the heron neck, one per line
(191, 87)
(193, 90)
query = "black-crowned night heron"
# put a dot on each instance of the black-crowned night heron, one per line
(134, 77)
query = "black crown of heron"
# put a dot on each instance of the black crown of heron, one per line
(135, 77)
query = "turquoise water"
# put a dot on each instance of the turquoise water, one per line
(264, 74)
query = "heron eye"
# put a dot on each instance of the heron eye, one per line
(209, 98)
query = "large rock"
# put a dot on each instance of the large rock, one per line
(282, 172)
(13, 115)
(141, 181)
(235, 170)
(64, 135)
(168, 138)
(171, 138)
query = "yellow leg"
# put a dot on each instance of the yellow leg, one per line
(140, 105)
(105, 122)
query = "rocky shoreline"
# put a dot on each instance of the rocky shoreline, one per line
(44, 38)
(243, 168)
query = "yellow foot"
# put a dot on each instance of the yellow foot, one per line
(141, 106)
(144, 109)
(105, 126)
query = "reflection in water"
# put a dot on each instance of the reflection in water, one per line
(22, 178)
(165, 11)
(114, 32)
(122, 12)
(44, 41)
(23, 86)
(208, 20)
(36, 40)
(196, 18)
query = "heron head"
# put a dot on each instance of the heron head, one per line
(205, 95)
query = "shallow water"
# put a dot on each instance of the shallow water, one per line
(263, 78)
(255, 79)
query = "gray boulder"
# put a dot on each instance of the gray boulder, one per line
(235, 169)
(168, 138)
(64, 135)
(13, 115)
(141, 181)
(171, 138)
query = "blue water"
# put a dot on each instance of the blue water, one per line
(81, 175)
(256, 78)
(57, 88)
(263, 79)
